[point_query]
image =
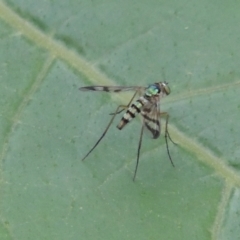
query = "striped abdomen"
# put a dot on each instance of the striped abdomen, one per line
(132, 111)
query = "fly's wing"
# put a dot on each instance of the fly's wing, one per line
(111, 88)
(151, 120)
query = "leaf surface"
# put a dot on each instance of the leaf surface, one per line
(51, 48)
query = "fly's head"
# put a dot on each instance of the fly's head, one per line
(165, 89)
(158, 89)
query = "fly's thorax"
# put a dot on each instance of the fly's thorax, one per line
(152, 90)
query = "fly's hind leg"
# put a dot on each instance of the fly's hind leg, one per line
(105, 131)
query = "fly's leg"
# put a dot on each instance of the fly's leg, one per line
(138, 152)
(134, 95)
(167, 135)
(105, 131)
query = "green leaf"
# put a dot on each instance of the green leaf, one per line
(51, 48)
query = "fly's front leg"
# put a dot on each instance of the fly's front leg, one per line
(167, 135)
(166, 115)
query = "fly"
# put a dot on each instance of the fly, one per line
(147, 105)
